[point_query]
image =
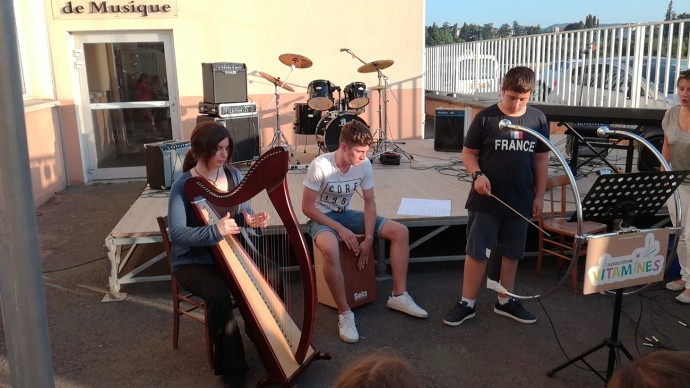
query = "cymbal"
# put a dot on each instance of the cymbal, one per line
(300, 61)
(377, 87)
(376, 65)
(276, 81)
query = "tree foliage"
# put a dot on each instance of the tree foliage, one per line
(670, 15)
(448, 33)
(437, 36)
(451, 33)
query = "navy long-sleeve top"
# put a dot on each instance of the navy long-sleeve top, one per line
(190, 239)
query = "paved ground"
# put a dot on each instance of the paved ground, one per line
(129, 343)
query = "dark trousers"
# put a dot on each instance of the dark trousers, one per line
(207, 282)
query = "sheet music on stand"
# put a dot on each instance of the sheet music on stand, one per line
(627, 196)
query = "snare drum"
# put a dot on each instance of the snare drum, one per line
(329, 128)
(306, 119)
(320, 94)
(356, 95)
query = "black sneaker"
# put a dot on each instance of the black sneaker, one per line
(513, 309)
(459, 314)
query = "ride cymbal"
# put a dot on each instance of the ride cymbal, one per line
(276, 81)
(299, 61)
(376, 65)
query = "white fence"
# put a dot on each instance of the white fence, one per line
(594, 67)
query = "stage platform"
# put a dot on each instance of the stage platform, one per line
(423, 174)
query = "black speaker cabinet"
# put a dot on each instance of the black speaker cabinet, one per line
(646, 161)
(224, 82)
(449, 129)
(244, 132)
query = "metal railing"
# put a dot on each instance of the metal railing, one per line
(622, 66)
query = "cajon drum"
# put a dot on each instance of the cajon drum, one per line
(360, 285)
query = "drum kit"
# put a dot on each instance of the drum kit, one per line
(323, 115)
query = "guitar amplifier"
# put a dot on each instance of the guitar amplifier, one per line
(164, 162)
(224, 82)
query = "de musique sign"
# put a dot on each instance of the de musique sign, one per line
(76, 9)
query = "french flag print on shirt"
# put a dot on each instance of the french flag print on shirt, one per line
(516, 134)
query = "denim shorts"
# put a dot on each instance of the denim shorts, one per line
(351, 219)
(486, 232)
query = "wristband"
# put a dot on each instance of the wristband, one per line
(476, 175)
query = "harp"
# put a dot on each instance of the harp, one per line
(284, 345)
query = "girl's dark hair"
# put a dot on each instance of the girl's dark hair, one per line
(205, 139)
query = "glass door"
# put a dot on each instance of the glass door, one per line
(129, 98)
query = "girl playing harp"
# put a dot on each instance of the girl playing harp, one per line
(191, 241)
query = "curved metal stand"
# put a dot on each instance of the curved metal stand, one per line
(613, 343)
(604, 131)
(579, 237)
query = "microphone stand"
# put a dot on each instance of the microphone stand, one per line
(584, 54)
(383, 145)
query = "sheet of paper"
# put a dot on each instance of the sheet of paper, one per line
(424, 207)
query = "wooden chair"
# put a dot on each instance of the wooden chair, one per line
(184, 303)
(554, 221)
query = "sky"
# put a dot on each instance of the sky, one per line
(548, 12)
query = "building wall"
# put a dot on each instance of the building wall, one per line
(46, 156)
(257, 33)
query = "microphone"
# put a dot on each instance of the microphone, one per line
(603, 131)
(343, 49)
(504, 124)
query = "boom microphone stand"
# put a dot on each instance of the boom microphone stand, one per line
(383, 145)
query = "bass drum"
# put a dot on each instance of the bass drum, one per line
(328, 130)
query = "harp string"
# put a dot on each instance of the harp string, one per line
(268, 248)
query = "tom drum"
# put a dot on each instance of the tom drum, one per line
(356, 95)
(306, 119)
(320, 94)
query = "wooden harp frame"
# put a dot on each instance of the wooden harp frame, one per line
(284, 355)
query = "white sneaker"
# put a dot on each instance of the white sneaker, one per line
(406, 304)
(675, 285)
(347, 328)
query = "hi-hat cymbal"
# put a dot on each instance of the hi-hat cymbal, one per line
(376, 65)
(377, 87)
(299, 61)
(276, 81)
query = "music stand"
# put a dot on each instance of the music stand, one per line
(623, 196)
